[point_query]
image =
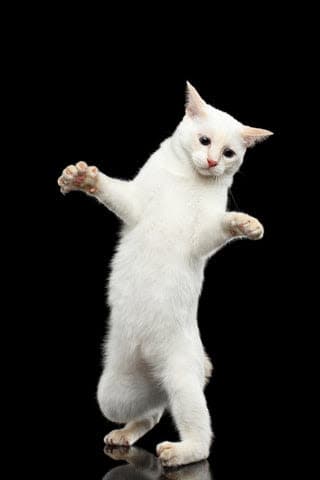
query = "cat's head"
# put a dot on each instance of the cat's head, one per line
(214, 141)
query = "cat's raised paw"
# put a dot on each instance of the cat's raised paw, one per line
(79, 177)
(241, 224)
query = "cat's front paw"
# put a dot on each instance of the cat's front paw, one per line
(79, 177)
(241, 224)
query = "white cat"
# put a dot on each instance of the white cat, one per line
(174, 216)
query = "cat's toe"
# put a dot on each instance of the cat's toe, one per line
(118, 437)
(167, 451)
(60, 181)
(161, 446)
(92, 172)
(64, 184)
(92, 177)
(70, 171)
(81, 167)
(67, 179)
(254, 229)
(246, 226)
(257, 234)
(173, 454)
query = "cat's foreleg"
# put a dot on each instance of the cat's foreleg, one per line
(230, 226)
(118, 195)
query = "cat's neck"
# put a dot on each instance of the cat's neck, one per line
(176, 161)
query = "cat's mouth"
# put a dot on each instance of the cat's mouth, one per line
(210, 171)
(206, 167)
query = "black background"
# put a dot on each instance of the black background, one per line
(111, 105)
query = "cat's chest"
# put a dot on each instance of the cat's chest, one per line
(183, 206)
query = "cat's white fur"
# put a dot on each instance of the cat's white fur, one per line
(174, 218)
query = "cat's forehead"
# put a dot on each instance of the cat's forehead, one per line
(221, 120)
(219, 124)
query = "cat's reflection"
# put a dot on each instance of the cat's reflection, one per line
(142, 465)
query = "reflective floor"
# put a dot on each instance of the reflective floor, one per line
(72, 447)
(137, 463)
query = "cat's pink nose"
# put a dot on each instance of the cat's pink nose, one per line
(212, 163)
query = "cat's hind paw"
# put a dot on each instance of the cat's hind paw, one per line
(173, 454)
(168, 454)
(79, 177)
(243, 225)
(119, 437)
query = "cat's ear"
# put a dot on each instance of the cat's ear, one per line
(195, 106)
(251, 135)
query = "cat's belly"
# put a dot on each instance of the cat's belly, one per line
(153, 281)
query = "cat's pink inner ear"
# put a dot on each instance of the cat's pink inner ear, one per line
(195, 106)
(253, 135)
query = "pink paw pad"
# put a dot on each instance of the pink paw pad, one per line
(79, 177)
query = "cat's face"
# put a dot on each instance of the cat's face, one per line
(214, 141)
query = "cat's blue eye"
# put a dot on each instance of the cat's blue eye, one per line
(229, 153)
(204, 140)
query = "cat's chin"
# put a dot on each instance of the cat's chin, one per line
(206, 172)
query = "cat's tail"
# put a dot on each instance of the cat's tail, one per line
(208, 368)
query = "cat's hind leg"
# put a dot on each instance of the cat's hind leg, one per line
(133, 430)
(130, 398)
(183, 378)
